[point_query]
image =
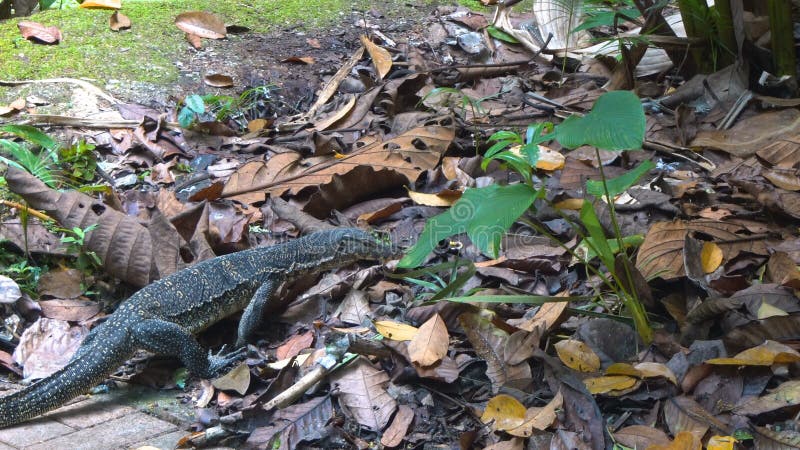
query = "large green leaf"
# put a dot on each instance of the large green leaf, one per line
(483, 213)
(621, 183)
(616, 122)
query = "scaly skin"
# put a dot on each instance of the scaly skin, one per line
(163, 316)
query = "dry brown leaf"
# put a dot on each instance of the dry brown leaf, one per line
(785, 395)
(218, 80)
(47, 346)
(683, 441)
(194, 40)
(64, 283)
(361, 391)
(641, 436)
(752, 134)
(323, 122)
(409, 155)
(119, 21)
(126, 247)
(36, 32)
(295, 345)
(539, 418)
(237, 380)
(431, 342)
(577, 356)
(202, 24)
(685, 414)
(661, 253)
(308, 60)
(396, 432)
(380, 57)
(69, 310)
(490, 343)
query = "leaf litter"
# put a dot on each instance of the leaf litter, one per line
(547, 357)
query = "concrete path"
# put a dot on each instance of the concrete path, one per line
(105, 421)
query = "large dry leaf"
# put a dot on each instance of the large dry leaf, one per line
(752, 134)
(396, 432)
(785, 395)
(539, 419)
(490, 343)
(47, 346)
(119, 21)
(577, 356)
(201, 23)
(292, 425)
(504, 411)
(361, 391)
(380, 57)
(37, 32)
(125, 247)
(641, 436)
(409, 154)
(661, 253)
(429, 345)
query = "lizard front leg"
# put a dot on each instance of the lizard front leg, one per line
(168, 338)
(251, 318)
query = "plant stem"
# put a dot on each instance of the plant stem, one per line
(782, 34)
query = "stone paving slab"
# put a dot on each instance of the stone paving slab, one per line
(105, 421)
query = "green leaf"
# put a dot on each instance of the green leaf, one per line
(621, 183)
(597, 237)
(483, 213)
(196, 104)
(587, 245)
(501, 35)
(186, 117)
(606, 19)
(523, 299)
(616, 122)
(33, 135)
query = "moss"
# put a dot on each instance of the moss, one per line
(148, 51)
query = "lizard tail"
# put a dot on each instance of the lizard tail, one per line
(74, 379)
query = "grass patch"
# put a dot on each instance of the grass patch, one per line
(148, 51)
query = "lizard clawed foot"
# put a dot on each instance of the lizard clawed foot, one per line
(223, 361)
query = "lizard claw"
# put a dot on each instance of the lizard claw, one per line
(223, 361)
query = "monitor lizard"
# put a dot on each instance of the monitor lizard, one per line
(163, 316)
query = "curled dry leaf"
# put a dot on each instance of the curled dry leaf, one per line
(380, 57)
(119, 21)
(218, 80)
(36, 32)
(201, 23)
(766, 354)
(430, 343)
(444, 198)
(396, 432)
(194, 40)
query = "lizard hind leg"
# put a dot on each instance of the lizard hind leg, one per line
(168, 338)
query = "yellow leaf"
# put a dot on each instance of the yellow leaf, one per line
(571, 204)
(577, 355)
(605, 385)
(506, 411)
(538, 418)
(653, 370)
(550, 159)
(102, 4)
(766, 354)
(442, 199)
(623, 369)
(683, 441)
(430, 343)
(767, 310)
(380, 57)
(710, 257)
(395, 331)
(721, 443)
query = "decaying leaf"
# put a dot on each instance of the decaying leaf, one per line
(361, 391)
(218, 80)
(396, 432)
(538, 419)
(766, 354)
(119, 21)
(237, 380)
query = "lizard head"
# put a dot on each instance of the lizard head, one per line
(353, 243)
